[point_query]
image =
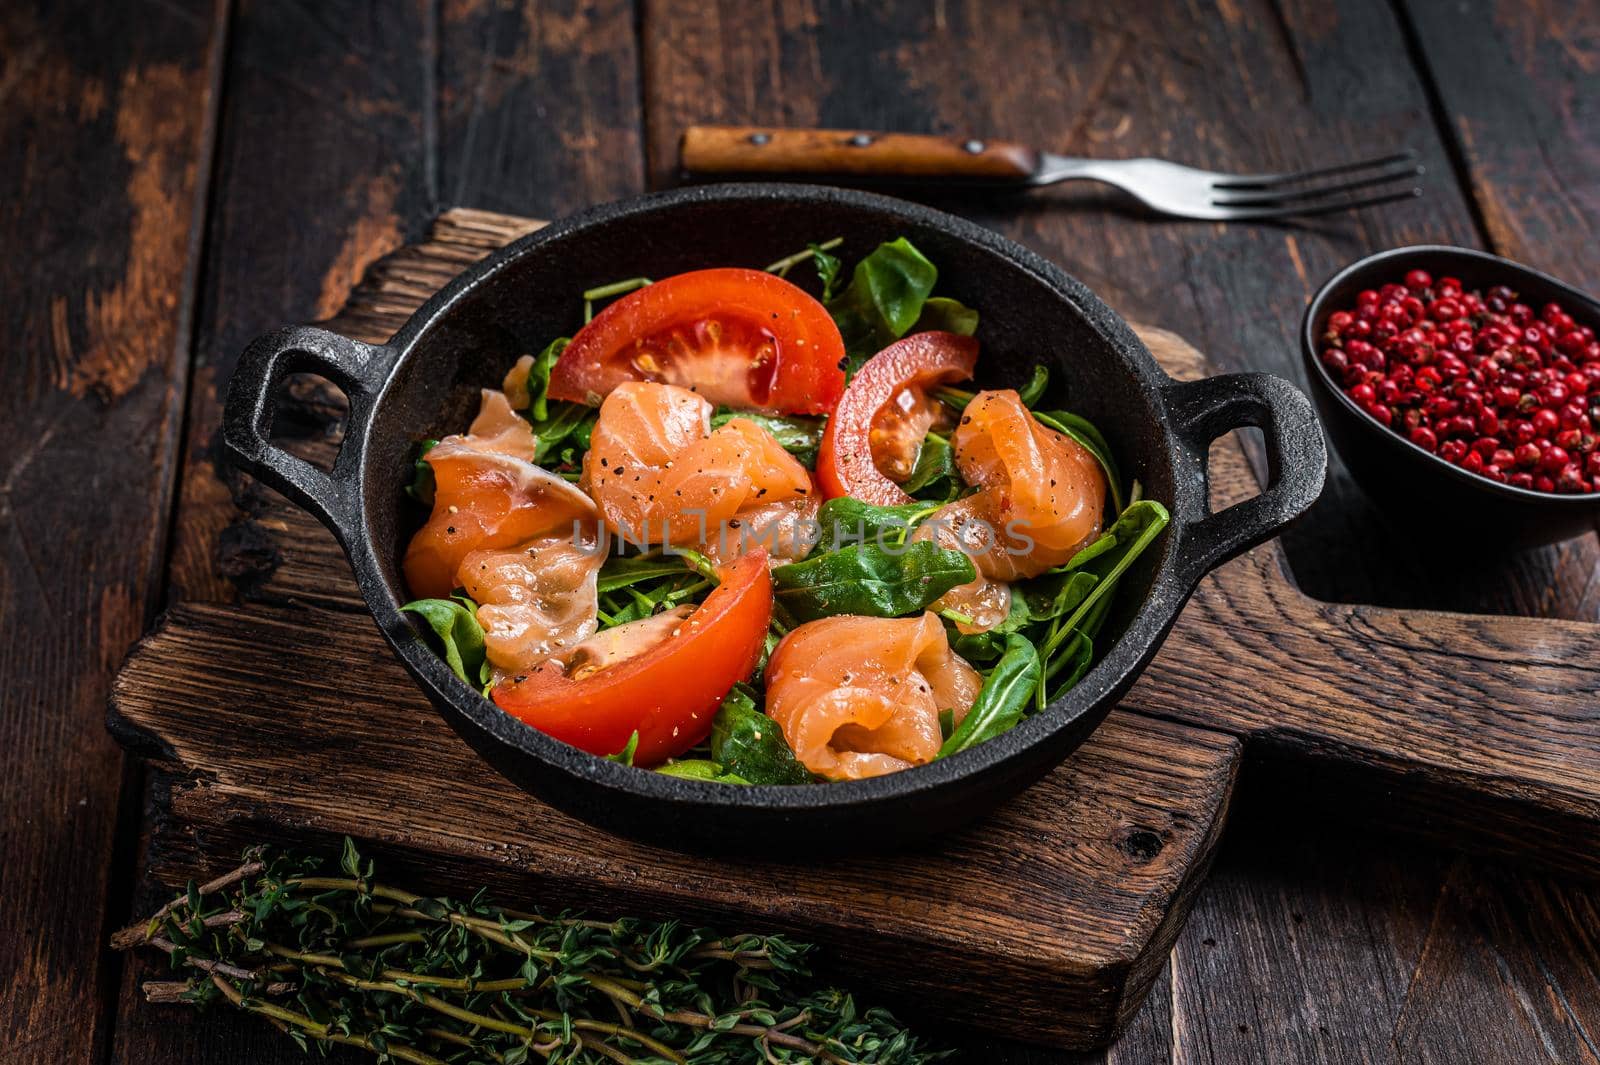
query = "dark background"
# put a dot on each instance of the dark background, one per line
(178, 176)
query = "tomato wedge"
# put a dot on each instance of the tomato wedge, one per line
(741, 338)
(914, 364)
(669, 693)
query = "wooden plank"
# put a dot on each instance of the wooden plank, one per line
(1521, 97)
(323, 106)
(1502, 946)
(1059, 908)
(538, 105)
(1249, 84)
(104, 137)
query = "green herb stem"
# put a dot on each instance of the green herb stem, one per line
(789, 262)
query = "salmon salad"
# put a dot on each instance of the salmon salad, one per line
(757, 528)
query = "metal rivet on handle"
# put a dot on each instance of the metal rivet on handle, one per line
(861, 140)
(974, 147)
(759, 139)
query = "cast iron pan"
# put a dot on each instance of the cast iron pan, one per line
(424, 383)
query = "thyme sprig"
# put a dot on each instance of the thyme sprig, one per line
(347, 959)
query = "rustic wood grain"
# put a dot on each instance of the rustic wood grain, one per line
(1482, 731)
(1521, 96)
(377, 115)
(1230, 84)
(104, 125)
(1489, 920)
(1060, 907)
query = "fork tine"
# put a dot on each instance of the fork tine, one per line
(1290, 177)
(1275, 197)
(1251, 214)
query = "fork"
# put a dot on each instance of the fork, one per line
(1165, 187)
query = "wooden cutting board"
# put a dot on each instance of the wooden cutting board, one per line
(285, 717)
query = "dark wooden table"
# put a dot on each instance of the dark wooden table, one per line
(179, 176)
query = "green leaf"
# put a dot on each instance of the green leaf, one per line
(1085, 433)
(979, 647)
(934, 474)
(539, 378)
(625, 756)
(1134, 530)
(421, 486)
(1004, 700)
(1051, 595)
(455, 624)
(870, 580)
(797, 435)
(618, 573)
(847, 520)
(750, 745)
(1033, 391)
(350, 859)
(701, 769)
(567, 422)
(1073, 661)
(828, 267)
(884, 299)
(946, 315)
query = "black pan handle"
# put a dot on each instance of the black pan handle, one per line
(1297, 461)
(359, 369)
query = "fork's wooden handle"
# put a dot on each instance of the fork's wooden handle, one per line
(852, 153)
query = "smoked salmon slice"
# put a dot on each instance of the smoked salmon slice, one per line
(660, 474)
(536, 600)
(488, 494)
(859, 697)
(1041, 494)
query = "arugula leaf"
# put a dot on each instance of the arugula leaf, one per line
(619, 573)
(567, 421)
(847, 519)
(538, 385)
(1075, 659)
(828, 267)
(700, 769)
(1133, 531)
(1052, 594)
(1033, 391)
(747, 743)
(422, 485)
(946, 315)
(1084, 432)
(934, 473)
(869, 580)
(1004, 699)
(625, 756)
(455, 623)
(884, 299)
(980, 647)
(797, 435)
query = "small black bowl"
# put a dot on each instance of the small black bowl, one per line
(1415, 486)
(424, 382)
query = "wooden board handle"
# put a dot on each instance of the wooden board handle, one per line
(853, 153)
